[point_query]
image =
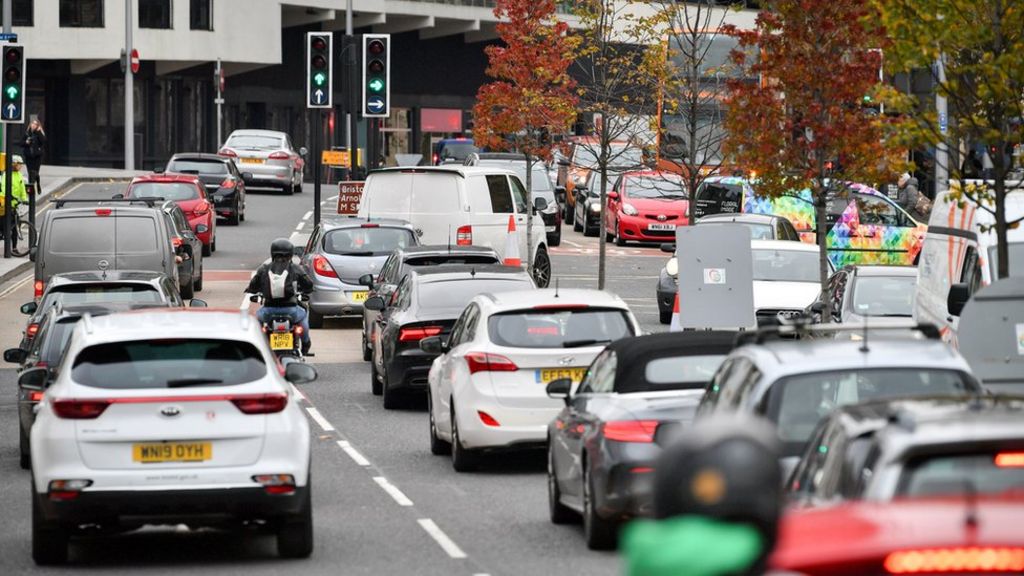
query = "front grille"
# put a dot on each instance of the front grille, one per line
(668, 217)
(660, 233)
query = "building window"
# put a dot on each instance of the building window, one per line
(155, 14)
(21, 12)
(201, 16)
(81, 13)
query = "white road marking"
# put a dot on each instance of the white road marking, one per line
(16, 285)
(392, 491)
(301, 225)
(441, 538)
(571, 243)
(300, 393)
(319, 419)
(335, 197)
(353, 453)
(308, 215)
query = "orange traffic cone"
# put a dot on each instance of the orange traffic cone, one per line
(674, 326)
(512, 244)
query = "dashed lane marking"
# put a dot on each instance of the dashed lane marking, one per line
(308, 215)
(319, 419)
(393, 491)
(354, 454)
(442, 539)
(300, 226)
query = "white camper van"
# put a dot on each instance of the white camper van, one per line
(958, 257)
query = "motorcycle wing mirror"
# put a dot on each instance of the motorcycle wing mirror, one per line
(366, 280)
(29, 308)
(668, 247)
(375, 303)
(15, 355)
(197, 303)
(34, 379)
(559, 388)
(299, 373)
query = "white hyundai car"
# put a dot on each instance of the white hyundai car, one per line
(171, 417)
(487, 389)
(785, 276)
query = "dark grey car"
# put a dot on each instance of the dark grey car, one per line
(188, 249)
(224, 183)
(878, 295)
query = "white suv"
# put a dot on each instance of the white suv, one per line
(488, 389)
(167, 417)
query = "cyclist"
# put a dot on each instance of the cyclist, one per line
(18, 195)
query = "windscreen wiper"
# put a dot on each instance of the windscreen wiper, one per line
(186, 382)
(582, 343)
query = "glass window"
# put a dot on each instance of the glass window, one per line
(255, 142)
(874, 210)
(57, 343)
(198, 166)
(720, 197)
(81, 13)
(984, 472)
(519, 195)
(619, 156)
(367, 241)
(884, 296)
(106, 293)
(21, 12)
(166, 190)
(501, 195)
(456, 152)
(664, 186)
(558, 328)
(86, 235)
(201, 14)
(676, 373)
(154, 14)
(452, 295)
(168, 363)
(785, 265)
(451, 258)
(601, 377)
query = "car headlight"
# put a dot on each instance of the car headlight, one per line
(672, 266)
(595, 207)
(629, 210)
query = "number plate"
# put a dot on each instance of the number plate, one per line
(358, 297)
(545, 375)
(662, 227)
(251, 160)
(172, 452)
(281, 341)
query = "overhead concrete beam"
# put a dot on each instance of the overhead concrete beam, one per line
(86, 66)
(450, 28)
(235, 68)
(484, 34)
(164, 67)
(296, 16)
(397, 25)
(361, 20)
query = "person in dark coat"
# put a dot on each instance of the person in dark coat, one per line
(33, 147)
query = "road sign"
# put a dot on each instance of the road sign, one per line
(350, 193)
(375, 105)
(8, 37)
(715, 266)
(376, 88)
(335, 157)
(12, 97)
(319, 69)
(135, 61)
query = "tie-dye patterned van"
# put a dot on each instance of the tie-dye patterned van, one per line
(865, 226)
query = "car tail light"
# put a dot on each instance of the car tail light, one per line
(464, 235)
(31, 330)
(322, 267)
(487, 362)
(260, 403)
(963, 560)
(641, 470)
(35, 396)
(1010, 460)
(487, 419)
(103, 211)
(228, 183)
(418, 333)
(202, 208)
(73, 409)
(67, 489)
(279, 155)
(435, 159)
(37, 288)
(369, 225)
(630, 430)
(228, 152)
(276, 483)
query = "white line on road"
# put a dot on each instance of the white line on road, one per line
(308, 215)
(300, 393)
(16, 285)
(319, 418)
(353, 453)
(441, 538)
(392, 491)
(301, 225)
(571, 243)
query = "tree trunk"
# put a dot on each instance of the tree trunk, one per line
(606, 150)
(1002, 248)
(529, 214)
(821, 231)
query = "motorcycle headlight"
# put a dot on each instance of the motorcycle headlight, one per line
(629, 210)
(672, 266)
(595, 207)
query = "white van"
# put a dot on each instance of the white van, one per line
(958, 257)
(460, 205)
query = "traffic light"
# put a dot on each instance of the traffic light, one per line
(12, 102)
(319, 66)
(376, 75)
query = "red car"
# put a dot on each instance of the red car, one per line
(646, 207)
(963, 535)
(187, 192)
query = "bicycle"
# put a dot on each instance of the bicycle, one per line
(23, 231)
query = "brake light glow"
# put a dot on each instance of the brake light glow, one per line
(276, 483)
(60, 490)
(418, 333)
(202, 208)
(961, 560)
(228, 183)
(177, 242)
(228, 152)
(37, 288)
(322, 267)
(72, 409)
(487, 419)
(487, 362)
(279, 155)
(464, 235)
(630, 430)
(1010, 460)
(435, 159)
(641, 470)
(103, 211)
(260, 403)
(298, 330)
(370, 226)
(32, 330)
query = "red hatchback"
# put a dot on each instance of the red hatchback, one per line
(189, 194)
(646, 207)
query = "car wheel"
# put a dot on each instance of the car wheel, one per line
(235, 217)
(375, 385)
(295, 533)
(213, 243)
(463, 460)
(665, 317)
(599, 533)
(559, 513)
(49, 541)
(588, 230)
(367, 351)
(241, 217)
(619, 240)
(316, 320)
(542, 268)
(438, 447)
(207, 249)
(25, 455)
(390, 396)
(197, 280)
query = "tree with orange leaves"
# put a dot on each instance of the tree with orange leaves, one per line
(532, 95)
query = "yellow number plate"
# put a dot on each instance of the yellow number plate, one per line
(172, 452)
(546, 375)
(281, 341)
(251, 160)
(358, 297)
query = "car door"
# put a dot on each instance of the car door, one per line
(455, 372)
(387, 324)
(524, 215)
(580, 422)
(613, 203)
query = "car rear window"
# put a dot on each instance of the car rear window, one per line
(98, 234)
(367, 241)
(253, 141)
(165, 190)
(168, 363)
(76, 295)
(676, 373)
(554, 328)
(884, 295)
(984, 471)
(785, 265)
(453, 295)
(457, 150)
(198, 166)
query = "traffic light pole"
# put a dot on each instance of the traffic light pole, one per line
(8, 192)
(318, 129)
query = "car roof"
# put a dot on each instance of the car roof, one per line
(170, 323)
(441, 273)
(200, 156)
(568, 297)
(508, 156)
(456, 169)
(881, 270)
(738, 217)
(825, 354)
(165, 177)
(88, 277)
(688, 343)
(652, 174)
(783, 245)
(345, 222)
(933, 423)
(431, 249)
(255, 132)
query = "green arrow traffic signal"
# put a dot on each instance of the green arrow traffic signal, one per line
(376, 85)
(319, 78)
(12, 92)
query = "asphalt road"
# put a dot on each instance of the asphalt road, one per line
(382, 503)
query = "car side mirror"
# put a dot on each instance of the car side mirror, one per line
(366, 280)
(197, 303)
(560, 388)
(15, 355)
(818, 307)
(247, 177)
(433, 345)
(540, 203)
(299, 373)
(118, 196)
(32, 253)
(560, 193)
(303, 151)
(613, 195)
(29, 308)
(375, 303)
(668, 247)
(34, 379)
(958, 296)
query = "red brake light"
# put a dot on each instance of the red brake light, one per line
(1010, 460)
(298, 330)
(103, 211)
(435, 159)
(630, 430)
(418, 333)
(279, 155)
(228, 183)
(322, 267)
(370, 226)
(73, 409)
(260, 403)
(487, 419)
(228, 152)
(38, 288)
(35, 396)
(487, 362)
(32, 330)
(966, 560)
(464, 235)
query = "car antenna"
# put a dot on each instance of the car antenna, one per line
(556, 287)
(864, 343)
(970, 505)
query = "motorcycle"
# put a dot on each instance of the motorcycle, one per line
(284, 336)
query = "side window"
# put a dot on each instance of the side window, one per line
(835, 207)
(386, 269)
(472, 321)
(313, 238)
(811, 461)
(593, 372)
(518, 195)
(747, 385)
(455, 338)
(401, 294)
(501, 196)
(730, 392)
(172, 291)
(837, 292)
(180, 220)
(970, 274)
(872, 210)
(714, 389)
(602, 381)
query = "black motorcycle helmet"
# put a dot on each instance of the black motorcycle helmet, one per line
(281, 248)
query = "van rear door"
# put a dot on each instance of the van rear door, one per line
(104, 240)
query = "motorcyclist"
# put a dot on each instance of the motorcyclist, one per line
(280, 282)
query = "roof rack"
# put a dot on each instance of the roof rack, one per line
(151, 202)
(801, 327)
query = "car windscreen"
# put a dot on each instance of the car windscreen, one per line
(619, 157)
(198, 166)
(558, 328)
(165, 190)
(168, 363)
(797, 403)
(251, 141)
(97, 235)
(980, 471)
(678, 372)
(367, 241)
(664, 187)
(884, 295)
(453, 295)
(785, 265)
(1016, 259)
(112, 293)
(457, 150)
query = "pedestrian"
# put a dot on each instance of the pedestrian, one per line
(910, 198)
(971, 168)
(33, 146)
(18, 194)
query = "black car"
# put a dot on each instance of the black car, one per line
(426, 303)
(404, 259)
(637, 394)
(224, 184)
(188, 249)
(587, 211)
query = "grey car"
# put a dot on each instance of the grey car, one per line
(342, 250)
(268, 156)
(878, 295)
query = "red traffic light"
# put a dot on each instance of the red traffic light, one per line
(319, 43)
(375, 47)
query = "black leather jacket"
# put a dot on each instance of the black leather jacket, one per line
(296, 282)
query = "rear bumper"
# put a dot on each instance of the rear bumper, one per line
(624, 479)
(335, 299)
(268, 174)
(636, 228)
(408, 370)
(224, 203)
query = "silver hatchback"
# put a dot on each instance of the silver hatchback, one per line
(268, 156)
